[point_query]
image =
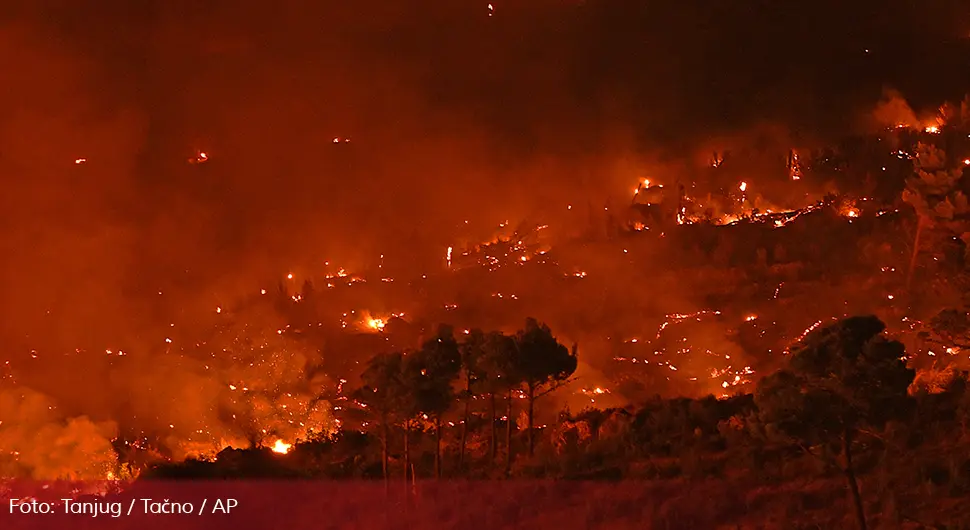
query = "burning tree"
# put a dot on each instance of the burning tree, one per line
(840, 380)
(542, 364)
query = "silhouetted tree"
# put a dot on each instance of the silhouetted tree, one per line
(840, 379)
(472, 350)
(542, 364)
(383, 393)
(430, 374)
(933, 192)
(951, 327)
(497, 375)
(307, 291)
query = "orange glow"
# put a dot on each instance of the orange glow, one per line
(281, 447)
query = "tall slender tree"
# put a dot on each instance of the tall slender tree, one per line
(432, 371)
(497, 377)
(543, 364)
(383, 393)
(472, 350)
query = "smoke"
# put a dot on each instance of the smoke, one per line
(38, 441)
(894, 111)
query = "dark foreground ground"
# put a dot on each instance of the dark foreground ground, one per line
(561, 505)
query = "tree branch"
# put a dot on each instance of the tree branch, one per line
(555, 386)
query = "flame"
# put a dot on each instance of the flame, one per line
(281, 447)
(371, 322)
(743, 186)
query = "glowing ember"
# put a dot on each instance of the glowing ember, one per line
(743, 186)
(281, 447)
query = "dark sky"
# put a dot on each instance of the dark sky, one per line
(452, 115)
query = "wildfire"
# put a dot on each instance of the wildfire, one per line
(281, 447)
(375, 323)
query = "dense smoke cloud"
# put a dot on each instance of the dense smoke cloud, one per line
(894, 111)
(38, 441)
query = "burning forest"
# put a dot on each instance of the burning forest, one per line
(237, 245)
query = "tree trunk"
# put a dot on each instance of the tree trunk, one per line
(437, 447)
(508, 433)
(912, 257)
(464, 423)
(491, 426)
(407, 449)
(532, 407)
(384, 435)
(851, 479)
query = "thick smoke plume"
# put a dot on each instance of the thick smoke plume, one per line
(36, 440)
(894, 111)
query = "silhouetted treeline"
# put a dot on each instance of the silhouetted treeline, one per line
(843, 414)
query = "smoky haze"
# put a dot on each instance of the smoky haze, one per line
(343, 131)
